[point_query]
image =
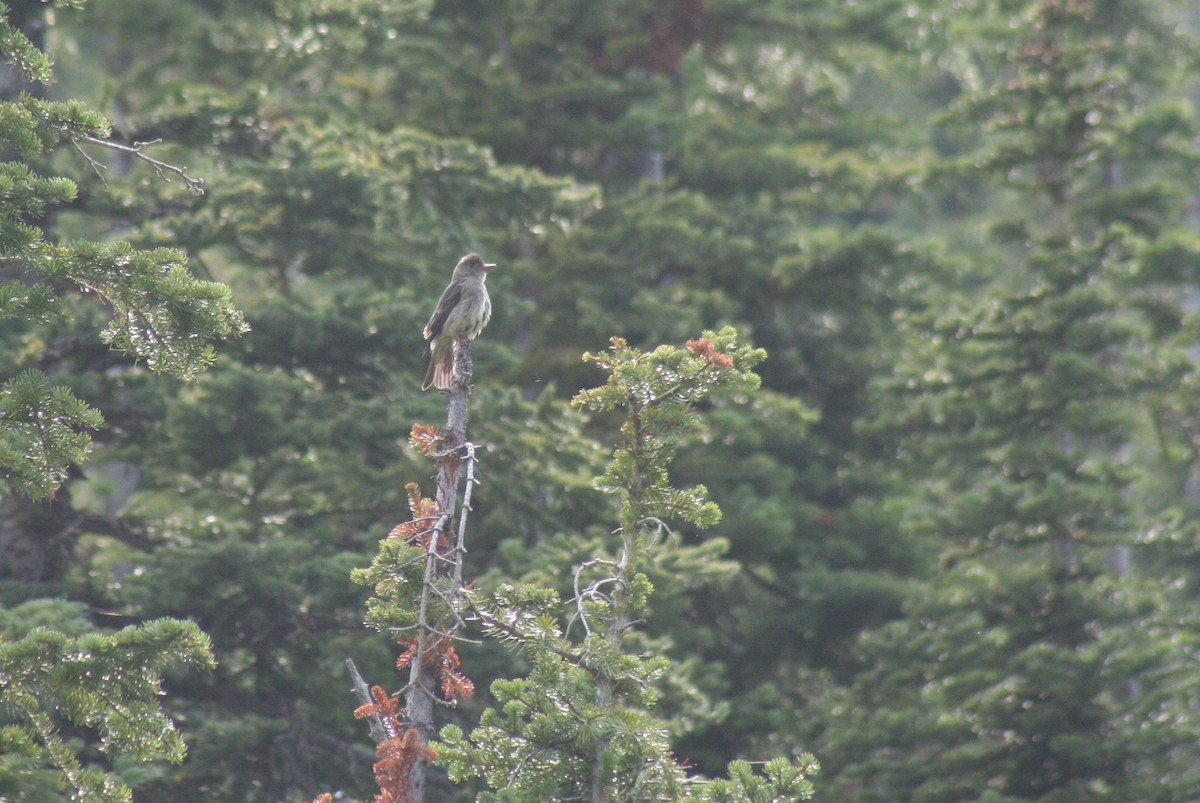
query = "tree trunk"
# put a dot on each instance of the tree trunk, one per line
(443, 557)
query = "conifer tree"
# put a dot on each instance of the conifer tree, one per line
(1018, 673)
(579, 725)
(256, 489)
(755, 161)
(159, 314)
(61, 678)
(747, 179)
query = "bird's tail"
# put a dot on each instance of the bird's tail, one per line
(441, 365)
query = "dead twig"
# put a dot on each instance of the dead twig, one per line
(137, 151)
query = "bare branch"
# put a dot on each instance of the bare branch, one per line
(97, 168)
(591, 592)
(379, 730)
(137, 151)
(460, 548)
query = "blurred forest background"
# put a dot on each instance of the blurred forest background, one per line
(959, 558)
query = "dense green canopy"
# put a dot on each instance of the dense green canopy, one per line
(955, 561)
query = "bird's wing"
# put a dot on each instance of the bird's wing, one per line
(449, 299)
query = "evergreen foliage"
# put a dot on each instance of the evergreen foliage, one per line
(1021, 409)
(578, 726)
(160, 313)
(958, 554)
(107, 682)
(103, 683)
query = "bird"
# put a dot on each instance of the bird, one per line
(462, 311)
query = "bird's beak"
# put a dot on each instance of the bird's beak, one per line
(487, 266)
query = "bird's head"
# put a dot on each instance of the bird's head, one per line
(472, 264)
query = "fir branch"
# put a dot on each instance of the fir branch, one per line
(492, 624)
